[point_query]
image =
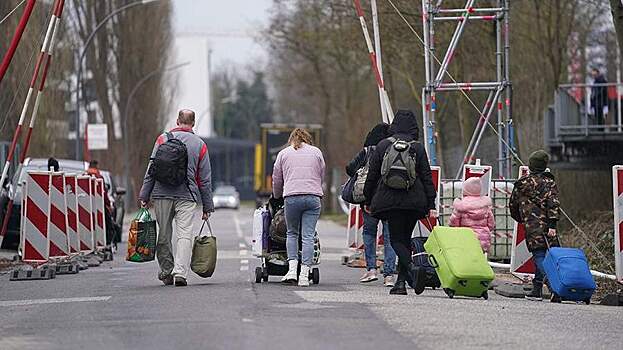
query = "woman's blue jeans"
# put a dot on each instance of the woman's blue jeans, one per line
(302, 213)
(370, 227)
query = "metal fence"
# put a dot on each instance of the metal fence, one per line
(502, 236)
(585, 110)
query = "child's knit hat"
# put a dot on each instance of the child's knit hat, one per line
(472, 187)
(538, 161)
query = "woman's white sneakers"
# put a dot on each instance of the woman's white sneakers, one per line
(304, 276)
(369, 276)
(290, 277)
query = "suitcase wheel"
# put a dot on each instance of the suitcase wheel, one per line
(265, 274)
(587, 301)
(315, 275)
(485, 295)
(258, 275)
(449, 292)
(556, 299)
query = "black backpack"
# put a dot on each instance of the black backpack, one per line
(398, 170)
(170, 163)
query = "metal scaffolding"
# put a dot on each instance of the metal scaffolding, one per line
(436, 70)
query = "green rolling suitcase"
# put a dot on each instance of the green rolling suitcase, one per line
(462, 267)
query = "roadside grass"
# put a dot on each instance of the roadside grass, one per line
(600, 252)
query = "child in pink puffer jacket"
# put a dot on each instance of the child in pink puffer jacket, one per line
(474, 211)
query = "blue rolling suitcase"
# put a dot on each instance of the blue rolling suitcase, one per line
(568, 274)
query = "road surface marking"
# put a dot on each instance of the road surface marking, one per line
(243, 252)
(244, 261)
(5, 303)
(242, 245)
(244, 267)
(237, 224)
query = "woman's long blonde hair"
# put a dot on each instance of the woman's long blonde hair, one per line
(298, 137)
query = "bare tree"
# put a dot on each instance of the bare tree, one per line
(133, 44)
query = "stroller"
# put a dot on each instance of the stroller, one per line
(269, 243)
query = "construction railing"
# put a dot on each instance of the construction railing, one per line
(584, 110)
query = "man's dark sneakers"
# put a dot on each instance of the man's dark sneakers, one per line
(535, 295)
(180, 281)
(555, 298)
(167, 279)
(399, 288)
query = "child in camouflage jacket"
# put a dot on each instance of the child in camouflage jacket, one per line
(534, 203)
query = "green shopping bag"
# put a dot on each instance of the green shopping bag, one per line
(203, 261)
(142, 238)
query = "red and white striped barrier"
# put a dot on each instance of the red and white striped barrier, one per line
(354, 230)
(522, 264)
(99, 224)
(85, 216)
(425, 227)
(617, 191)
(34, 239)
(72, 212)
(57, 225)
(373, 60)
(481, 171)
(44, 59)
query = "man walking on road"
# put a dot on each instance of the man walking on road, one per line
(178, 179)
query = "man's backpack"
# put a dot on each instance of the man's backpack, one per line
(170, 163)
(398, 170)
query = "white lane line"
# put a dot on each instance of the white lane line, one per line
(243, 252)
(237, 224)
(244, 261)
(244, 267)
(242, 245)
(5, 303)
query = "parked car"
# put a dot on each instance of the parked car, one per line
(226, 197)
(13, 190)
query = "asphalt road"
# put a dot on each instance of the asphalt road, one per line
(122, 305)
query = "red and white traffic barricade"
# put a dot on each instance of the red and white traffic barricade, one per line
(72, 213)
(522, 264)
(617, 191)
(85, 216)
(425, 227)
(99, 224)
(57, 225)
(34, 238)
(481, 171)
(354, 230)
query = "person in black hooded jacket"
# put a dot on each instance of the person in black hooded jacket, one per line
(402, 208)
(370, 224)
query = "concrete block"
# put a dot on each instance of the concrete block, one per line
(32, 275)
(93, 262)
(70, 268)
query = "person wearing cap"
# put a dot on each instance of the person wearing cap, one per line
(534, 203)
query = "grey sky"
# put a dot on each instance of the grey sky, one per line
(228, 30)
(233, 17)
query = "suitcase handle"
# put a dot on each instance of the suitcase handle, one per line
(433, 262)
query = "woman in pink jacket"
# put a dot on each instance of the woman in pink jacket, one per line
(297, 177)
(474, 211)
